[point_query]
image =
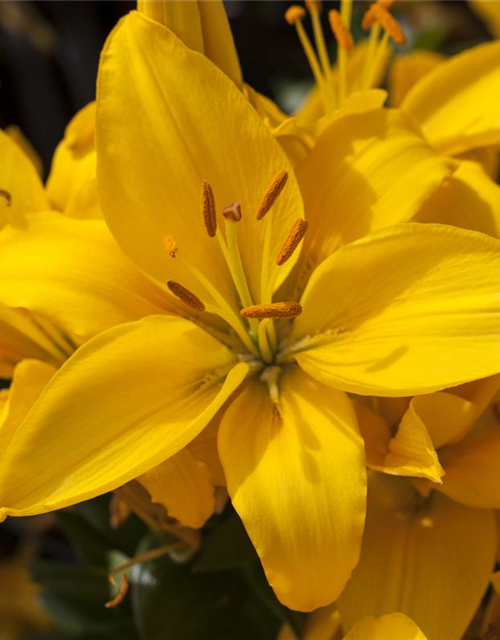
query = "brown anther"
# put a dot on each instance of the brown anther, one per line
(208, 212)
(369, 18)
(6, 196)
(342, 34)
(292, 241)
(294, 13)
(232, 212)
(313, 6)
(184, 295)
(272, 193)
(378, 13)
(170, 245)
(275, 310)
(120, 596)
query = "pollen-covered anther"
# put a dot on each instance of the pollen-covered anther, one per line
(272, 193)
(292, 241)
(342, 34)
(208, 211)
(390, 25)
(120, 596)
(232, 212)
(6, 196)
(275, 310)
(184, 295)
(170, 245)
(314, 6)
(294, 13)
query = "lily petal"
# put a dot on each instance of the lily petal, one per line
(408, 310)
(409, 453)
(409, 560)
(468, 199)
(472, 470)
(183, 485)
(286, 474)
(456, 104)
(71, 186)
(125, 402)
(366, 172)
(74, 273)
(24, 336)
(21, 190)
(30, 379)
(395, 626)
(407, 70)
(156, 143)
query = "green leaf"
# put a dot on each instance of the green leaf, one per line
(170, 602)
(226, 547)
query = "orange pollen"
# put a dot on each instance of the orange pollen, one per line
(272, 193)
(120, 596)
(385, 4)
(232, 212)
(276, 310)
(388, 23)
(6, 196)
(208, 212)
(340, 31)
(170, 245)
(292, 241)
(294, 14)
(185, 296)
(314, 6)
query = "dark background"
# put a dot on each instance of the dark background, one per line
(49, 53)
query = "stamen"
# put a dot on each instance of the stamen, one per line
(6, 196)
(378, 13)
(186, 296)
(171, 246)
(292, 241)
(294, 16)
(278, 310)
(340, 31)
(120, 596)
(232, 212)
(272, 193)
(313, 6)
(294, 13)
(208, 211)
(263, 336)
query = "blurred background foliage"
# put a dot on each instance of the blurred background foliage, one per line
(49, 53)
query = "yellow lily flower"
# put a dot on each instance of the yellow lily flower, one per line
(139, 393)
(465, 470)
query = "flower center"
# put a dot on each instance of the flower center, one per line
(254, 321)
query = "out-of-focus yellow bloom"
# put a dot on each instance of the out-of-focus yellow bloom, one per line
(430, 558)
(324, 624)
(72, 185)
(20, 613)
(137, 394)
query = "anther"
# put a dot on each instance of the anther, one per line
(272, 193)
(295, 235)
(313, 6)
(208, 212)
(6, 196)
(232, 212)
(378, 12)
(294, 13)
(185, 296)
(275, 310)
(340, 31)
(171, 246)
